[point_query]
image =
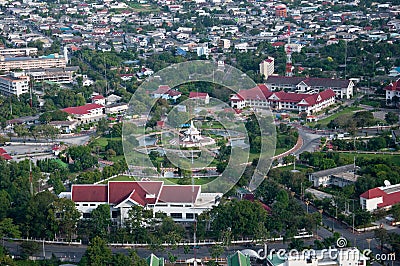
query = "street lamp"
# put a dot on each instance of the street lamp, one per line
(307, 203)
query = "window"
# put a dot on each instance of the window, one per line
(162, 205)
(189, 216)
(77, 204)
(85, 204)
(176, 205)
(86, 215)
(92, 204)
(115, 214)
(176, 215)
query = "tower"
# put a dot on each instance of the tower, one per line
(289, 66)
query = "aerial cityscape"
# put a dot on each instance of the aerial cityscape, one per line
(199, 132)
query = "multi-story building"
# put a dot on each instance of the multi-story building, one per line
(87, 113)
(26, 63)
(14, 83)
(183, 203)
(267, 67)
(57, 75)
(342, 87)
(30, 51)
(262, 97)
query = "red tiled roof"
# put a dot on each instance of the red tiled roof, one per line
(201, 95)
(119, 191)
(6, 156)
(390, 199)
(395, 86)
(179, 194)
(89, 193)
(98, 97)
(277, 44)
(2, 151)
(372, 193)
(261, 92)
(84, 109)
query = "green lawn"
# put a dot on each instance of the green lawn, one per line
(197, 181)
(281, 150)
(395, 159)
(324, 122)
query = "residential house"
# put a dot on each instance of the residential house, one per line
(200, 96)
(14, 83)
(165, 92)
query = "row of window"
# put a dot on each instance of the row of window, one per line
(85, 204)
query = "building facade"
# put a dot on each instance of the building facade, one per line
(393, 93)
(25, 63)
(57, 75)
(14, 83)
(343, 88)
(87, 113)
(180, 202)
(267, 67)
(380, 197)
(29, 51)
(262, 97)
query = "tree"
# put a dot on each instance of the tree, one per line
(97, 253)
(64, 216)
(396, 212)
(216, 251)
(9, 229)
(100, 221)
(29, 248)
(391, 118)
(382, 235)
(5, 203)
(37, 213)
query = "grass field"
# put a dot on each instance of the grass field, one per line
(197, 181)
(324, 122)
(395, 159)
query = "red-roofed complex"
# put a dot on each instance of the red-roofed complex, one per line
(180, 202)
(342, 87)
(203, 96)
(262, 97)
(380, 198)
(393, 90)
(87, 113)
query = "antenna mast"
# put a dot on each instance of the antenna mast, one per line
(289, 66)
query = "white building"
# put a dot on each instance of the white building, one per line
(343, 88)
(165, 92)
(15, 83)
(380, 197)
(339, 176)
(29, 51)
(25, 63)
(267, 67)
(182, 203)
(393, 90)
(262, 97)
(87, 113)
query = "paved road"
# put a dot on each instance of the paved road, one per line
(310, 141)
